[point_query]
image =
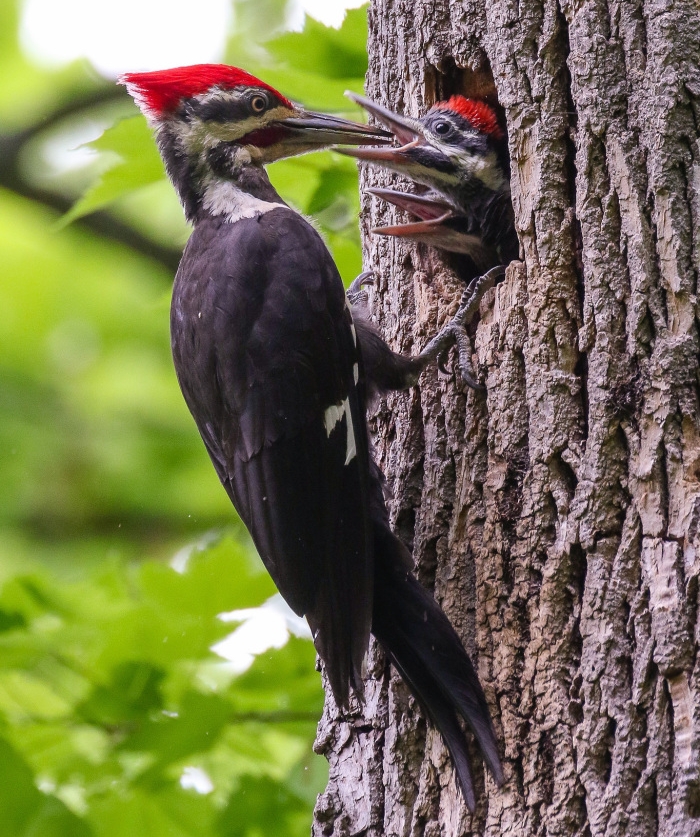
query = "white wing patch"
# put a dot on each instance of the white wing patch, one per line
(332, 416)
(350, 446)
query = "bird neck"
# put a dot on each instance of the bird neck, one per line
(245, 194)
(220, 181)
(473, 195)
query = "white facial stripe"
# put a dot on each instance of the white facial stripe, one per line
(333, 415)
(197, 135)
(484, 168)
(356, 372)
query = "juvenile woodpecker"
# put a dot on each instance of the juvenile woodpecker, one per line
(272, 370)
(458, 149)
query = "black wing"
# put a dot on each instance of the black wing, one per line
(265, 353)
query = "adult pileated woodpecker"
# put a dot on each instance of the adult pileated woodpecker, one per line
(270, 365)
(458, 149)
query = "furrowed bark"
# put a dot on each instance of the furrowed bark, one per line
(556, 517)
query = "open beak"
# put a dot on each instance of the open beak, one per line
(409, 132)
(440, 225)
(427, 207)
(309, 128)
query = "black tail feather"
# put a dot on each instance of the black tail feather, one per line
(428, 654)
(441, 714)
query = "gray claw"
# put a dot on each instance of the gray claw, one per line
(474, 293)
(355, 292)
(464, 353)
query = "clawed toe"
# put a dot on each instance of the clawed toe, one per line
(474, 293)
(441, 361)
(464, 355)
(356, 293)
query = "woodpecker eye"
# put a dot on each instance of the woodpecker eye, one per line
(443, 128)
(258, 103)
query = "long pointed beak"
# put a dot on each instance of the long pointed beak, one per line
(322, 129)
(441, 225)
(409, 132)
(441, 237)
(404, 129)
(427, 207)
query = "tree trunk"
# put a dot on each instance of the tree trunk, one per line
(557, 516)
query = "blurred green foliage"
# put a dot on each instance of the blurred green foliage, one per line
(116, 716)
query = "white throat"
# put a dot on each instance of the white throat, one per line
(224, 197)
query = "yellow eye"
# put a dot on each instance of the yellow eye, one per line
(258, 104)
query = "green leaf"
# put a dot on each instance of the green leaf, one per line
(135, 163)
(11, 619)
(262, 806)
(314, 66)
(194, 728)
(324, 51)
(134, 691)
(257, 20)
(219, 577)
(281, 680)
(24, 810)
(138, 813)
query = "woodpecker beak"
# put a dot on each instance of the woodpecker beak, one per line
(405, 129)
(429, 208)
(319, 129)
(416, 151)
(441, 225)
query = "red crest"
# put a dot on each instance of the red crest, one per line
(161, 91)
(480, 115)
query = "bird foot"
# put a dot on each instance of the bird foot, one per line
(455, 332)
(356, 293)
(474, 293)
(457, 335)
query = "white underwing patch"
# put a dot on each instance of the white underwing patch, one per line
(332, 417)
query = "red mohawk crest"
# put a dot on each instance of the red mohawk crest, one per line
(480, 115)
(161, 91)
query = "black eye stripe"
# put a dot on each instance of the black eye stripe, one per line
(219, 109)
(227, 108)
(433, 161)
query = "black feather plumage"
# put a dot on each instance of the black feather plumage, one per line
(263, 346)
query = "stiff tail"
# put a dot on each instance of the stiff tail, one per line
(428, 654)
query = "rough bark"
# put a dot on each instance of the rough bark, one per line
(557, 517)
